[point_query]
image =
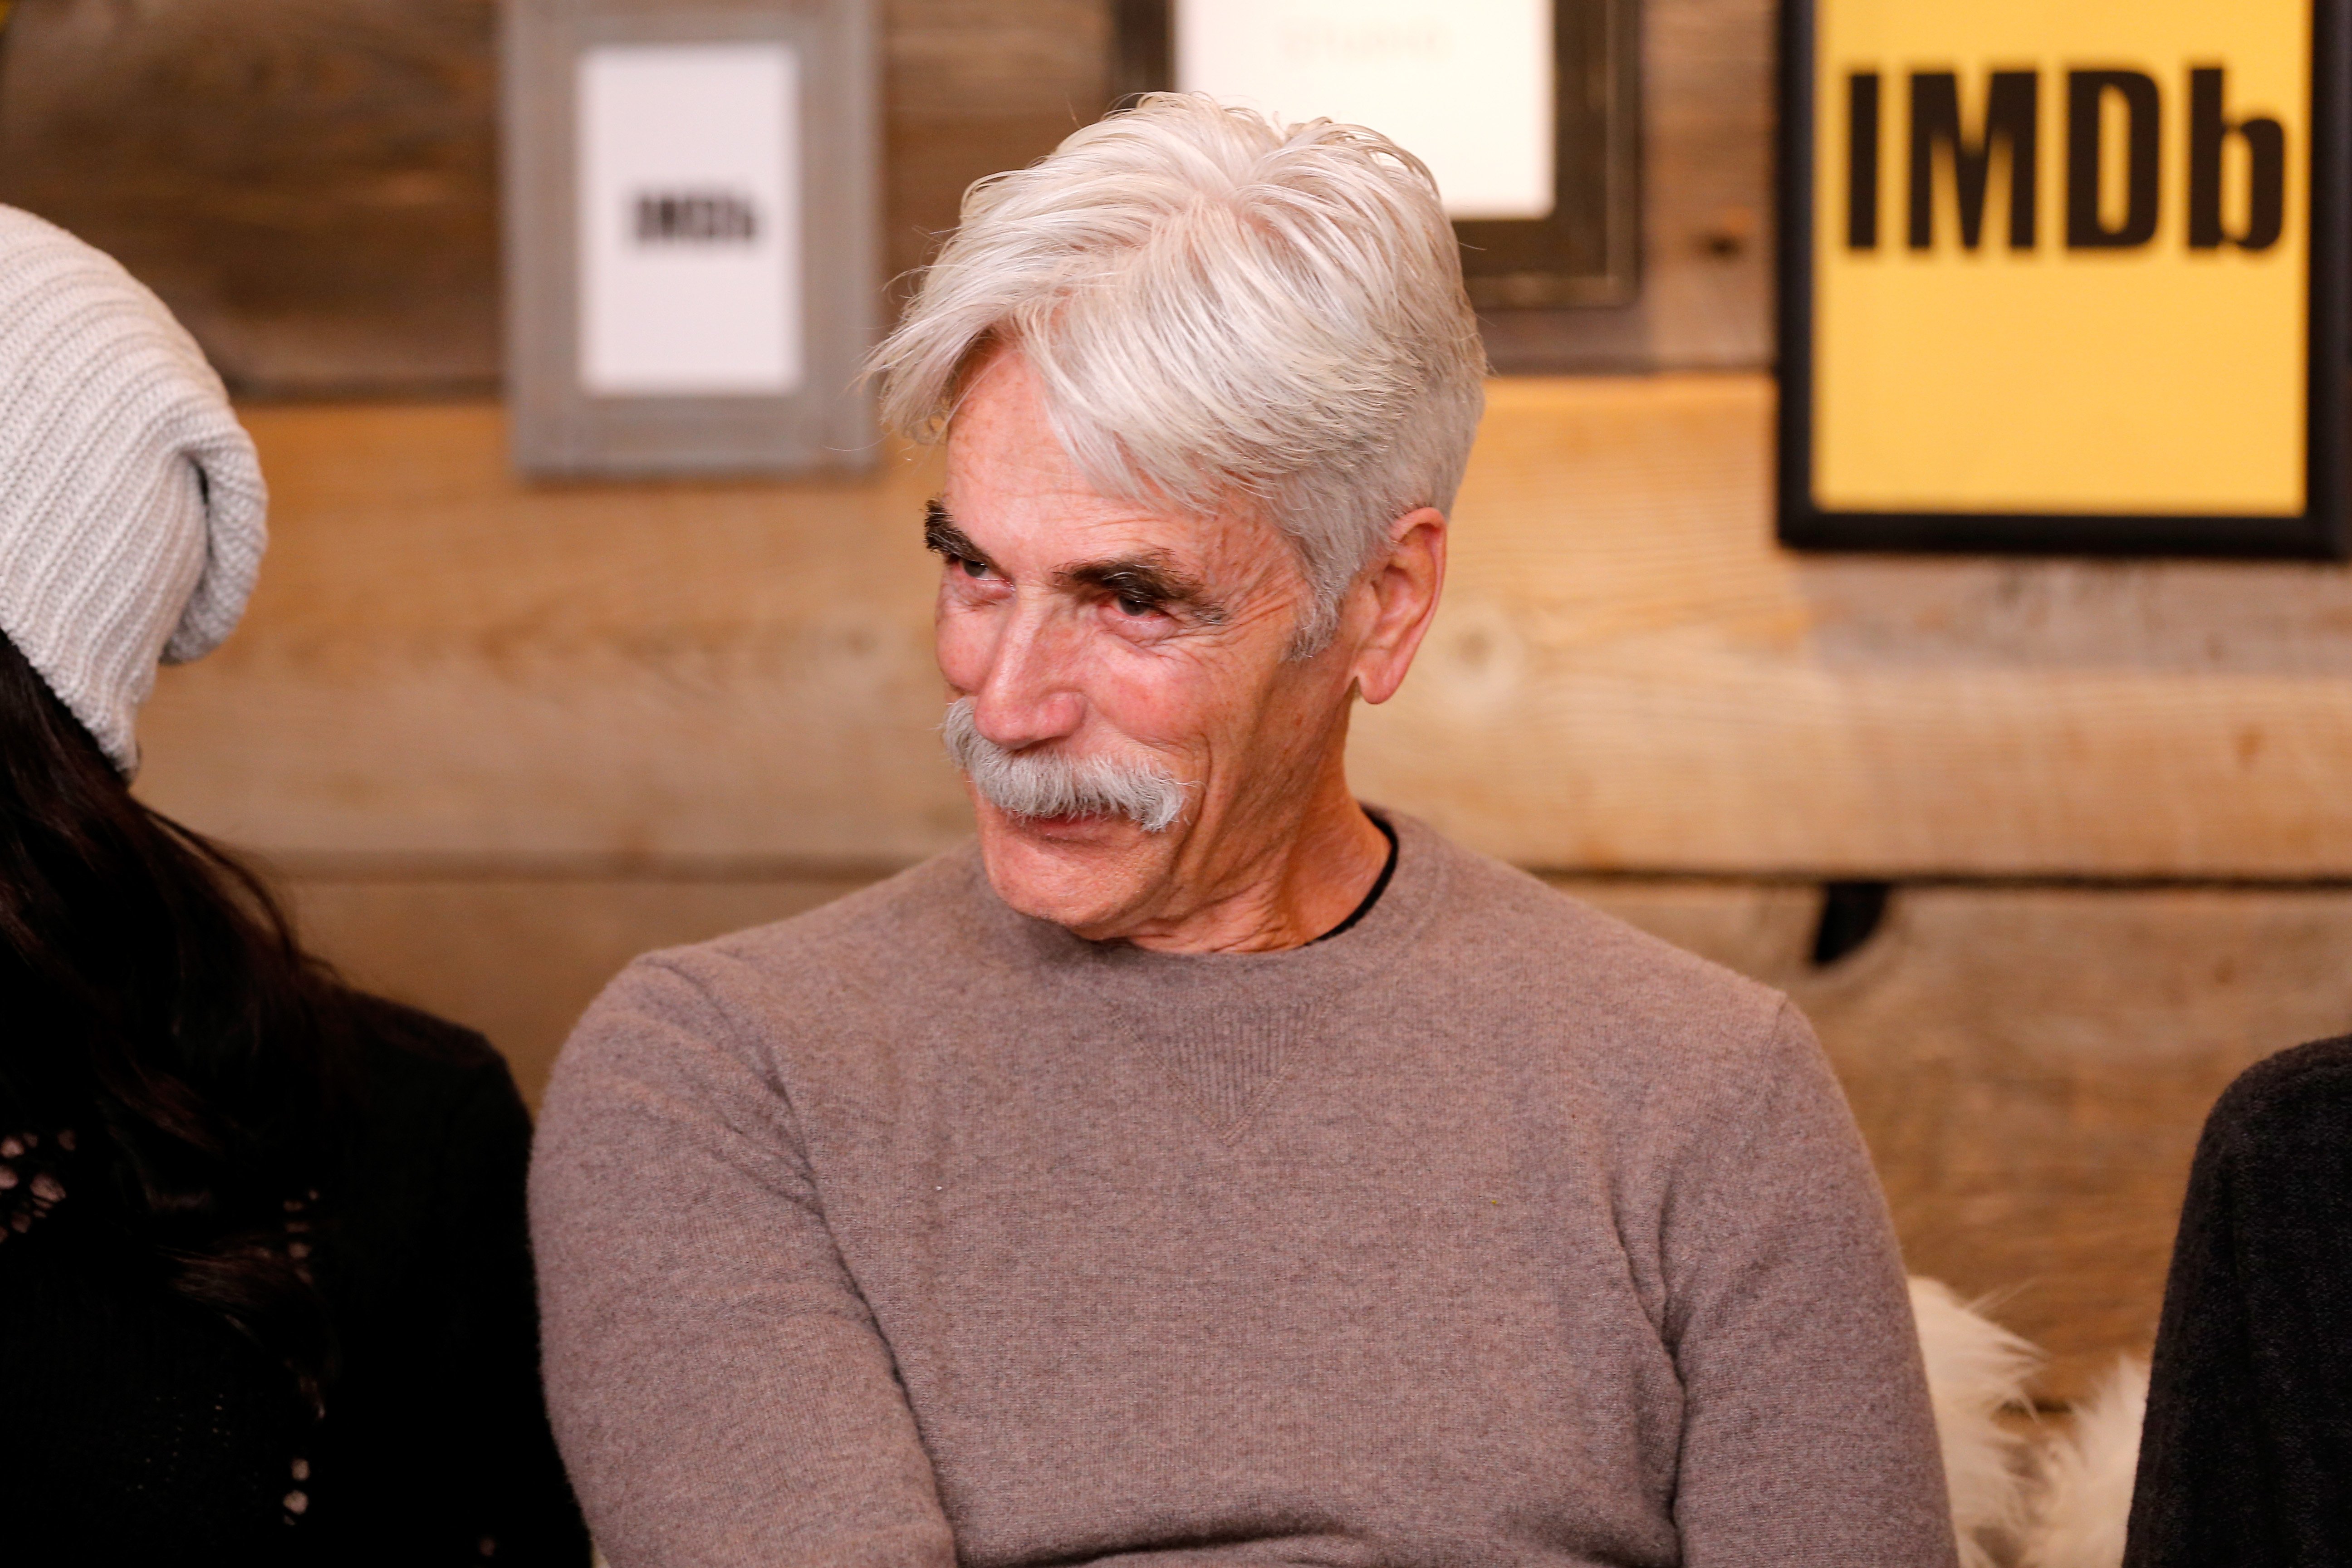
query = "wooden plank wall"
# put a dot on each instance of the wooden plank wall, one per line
(1707, 222)
(974, 87)
(496, 739)
(313, 184)
(2030, 1065)
(1627, 675)
(500, 737)
(1630, 675)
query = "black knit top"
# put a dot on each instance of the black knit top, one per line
(2246, 1460)
(136, 1426)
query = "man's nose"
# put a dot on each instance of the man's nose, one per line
(1031, 692)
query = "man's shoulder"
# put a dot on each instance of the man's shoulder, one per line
(933, 902)
(863, 943)
(1668, 1050)
(1509, 934)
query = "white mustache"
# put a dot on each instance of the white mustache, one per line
(1047, 783)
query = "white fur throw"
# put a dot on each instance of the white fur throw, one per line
(2025, 1495)
(1976, 1370)
(2087, 1473)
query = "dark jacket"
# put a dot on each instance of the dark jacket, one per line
(2246, 1457)
(138, 1426)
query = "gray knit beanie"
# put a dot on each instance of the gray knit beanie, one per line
(130, 499)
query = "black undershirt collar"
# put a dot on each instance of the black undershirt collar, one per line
(1380, 885)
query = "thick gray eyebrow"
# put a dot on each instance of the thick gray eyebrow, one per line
(1152, 577)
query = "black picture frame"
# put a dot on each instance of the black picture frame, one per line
(2319, 532)
(1589, 250)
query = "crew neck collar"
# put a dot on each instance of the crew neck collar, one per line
(1415, 887)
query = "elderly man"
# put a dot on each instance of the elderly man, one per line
(1205, 1168)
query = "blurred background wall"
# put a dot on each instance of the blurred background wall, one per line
(2048, 850)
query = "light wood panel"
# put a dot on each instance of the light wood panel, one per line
(2032, 1068)
(443, 660)
(520, 958)
(2029, 1066)
(1627, 675)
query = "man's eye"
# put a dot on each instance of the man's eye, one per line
(1130, 605)
(972, 568)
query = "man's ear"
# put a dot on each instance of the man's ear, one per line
(1403, 589)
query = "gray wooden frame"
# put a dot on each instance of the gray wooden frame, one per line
(560, 428)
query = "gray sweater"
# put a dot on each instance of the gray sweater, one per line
(913, 1231)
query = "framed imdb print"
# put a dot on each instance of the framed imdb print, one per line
(2064, 276)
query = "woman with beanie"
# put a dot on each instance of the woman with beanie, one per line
(265, 1294)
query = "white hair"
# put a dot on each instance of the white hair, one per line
(1033, 783)
(1221, 308)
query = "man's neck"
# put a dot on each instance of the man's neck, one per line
(1321, 873)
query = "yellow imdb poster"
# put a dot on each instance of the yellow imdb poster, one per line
(2058, 279)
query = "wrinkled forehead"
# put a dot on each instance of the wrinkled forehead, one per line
(1012, 489)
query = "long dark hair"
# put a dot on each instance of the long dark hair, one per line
(153, 999)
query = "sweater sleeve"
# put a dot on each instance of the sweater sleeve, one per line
(1807, 1434)
(719, 1386)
